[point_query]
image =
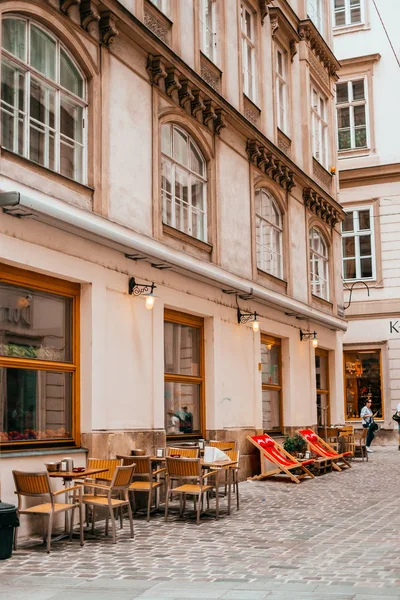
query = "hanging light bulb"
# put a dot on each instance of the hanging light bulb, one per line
(150, 299)
(256, 325)
(315, 340)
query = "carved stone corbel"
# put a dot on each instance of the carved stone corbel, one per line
(89, 14)
(284, 177)
(277, 171)
(292, 49)
(185, 93)
(290, 183)
(262, 161)
(107, 27)
(172, 84)
(156, 69)
(274, 24)
(219, 122)
(263, 6)
(209, 115)
(197, 105)
(270, 165)
(65, 5)
(253, 151)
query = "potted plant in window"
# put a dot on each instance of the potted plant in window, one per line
(295, 445)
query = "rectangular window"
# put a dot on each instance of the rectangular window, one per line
(315, 11)
(208, 29)
(248, 52)
(359, 244)
(351, 103)
(271, 383)
(162, 5)
(322, 387)
(363, 381)
(38, 360)
(348, 12)
(319, 127)
(281, 89)
(184, 374)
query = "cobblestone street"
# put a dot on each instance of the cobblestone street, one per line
(336, 536)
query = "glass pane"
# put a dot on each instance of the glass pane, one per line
(42, 103)
(271, 409)
(181, 200)
(182, 408)
(339, 3)
(358, 90)
(366, 267)
(36, 405)
(34, 324)
(349, 249)
(355, 15)
(363, 381)
(364, 219)
(14, 37)
(340, 18)
(361, 137)
(41, 146)
(181, 349)
(166, 140)
(365, 245)
(270, 355)
(70, 78)
(359, 115)
(196, 160)
(344, 139)
(348, 224)
(71, 160)
(180, 147)
(12, 104)
(321, 372)
(71, 120)
(349, 269)
(43, 52)
(322, 410)
(344, 117)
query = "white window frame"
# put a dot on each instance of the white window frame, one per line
(265, 224)
(356, 233)
(323, 267)
(59, 93)
(351, 104)
(248, 70)
(162, 5)
(208, 9)
(347, 11)
(281, 83)
(174, 164)
(315, 11)
(319, 127)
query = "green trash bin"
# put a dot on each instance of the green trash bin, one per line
(8, 522)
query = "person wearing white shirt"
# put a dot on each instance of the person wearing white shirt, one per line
(367, 420)
(398, 424)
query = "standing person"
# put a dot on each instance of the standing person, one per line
(398, 423)
(367, 421)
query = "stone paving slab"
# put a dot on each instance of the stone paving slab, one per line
(336, 536)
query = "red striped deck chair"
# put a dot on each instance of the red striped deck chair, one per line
(284, 462)
(323, 450)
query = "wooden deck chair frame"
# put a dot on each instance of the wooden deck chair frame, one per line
(323, 450)
(277, 451)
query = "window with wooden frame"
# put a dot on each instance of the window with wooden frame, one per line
(363, 381)
(319, 264)
(271, 383)
(184, 374)
(248, 22)
(348, 12)
(39, 361)
(269, 234)
(322, 387)
(208, 28)
(319, 127)
(281, 89)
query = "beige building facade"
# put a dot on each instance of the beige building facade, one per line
(368, 128)
(187, 144)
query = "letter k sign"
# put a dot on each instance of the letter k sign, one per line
(393, 327)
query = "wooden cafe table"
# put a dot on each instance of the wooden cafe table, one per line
(221, 465)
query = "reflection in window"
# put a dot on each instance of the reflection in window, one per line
(42, 99)
(358, 244)
(183, 182)
(319, 265)
(322, 387)
(363, 376)
(208, 28)
(271, 383)
(268, 234)
(351, 106)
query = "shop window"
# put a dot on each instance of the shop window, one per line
(363, 380)
(248, 51)
(208, 29)
(183, 182)
(184, 374)
(271, 384)
(269, 233)
(358, 244)
(322, 387)
(319, 265)
(351, 104)
(38, 360)
(348, 12)
(43, 99)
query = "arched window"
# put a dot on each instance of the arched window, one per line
(268, 234)
(319, 265)
(43, 99)
(183, 182)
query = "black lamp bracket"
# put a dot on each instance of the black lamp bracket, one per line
(136, 289)
(243, 317)
(307, 335)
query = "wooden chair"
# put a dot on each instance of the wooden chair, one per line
(147, 481)
(323, 450)
(38, 484)
(234, 470)
(284, 462)
(360, 448)
(346, 440)
(222, 445)
(183, 452)
(104, 463)
(192, 483)
(119, 487)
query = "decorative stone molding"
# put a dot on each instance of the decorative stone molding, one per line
(107, 28)
(280, 23)
(321, 175)
(210, 73)
(157, 22)
(65, 5)
(284, 142)
(321, 207)
(181, 90)
(270, 164)
(251, 111)
(263, 6)
(89, 14)
(309, 33)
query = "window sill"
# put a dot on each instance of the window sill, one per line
(353, 153)
(342, 29)
(282, 283)
(322, 302)
(41, 452)
(250, 110)
(186, 238)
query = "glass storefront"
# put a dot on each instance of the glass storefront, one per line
(363, 381)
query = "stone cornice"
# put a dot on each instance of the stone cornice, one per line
(369, 175)
(270, 164)
(322, 208)
(309, 33)
(281, 24)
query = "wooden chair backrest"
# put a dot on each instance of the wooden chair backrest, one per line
(122, 477)
(183, 452)
(104, 463)
(222, 445)
(360, 436)
(233, 455)
(346, 431)
(183, 467)
(143, 465)
(32, 484)
(126, 460)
